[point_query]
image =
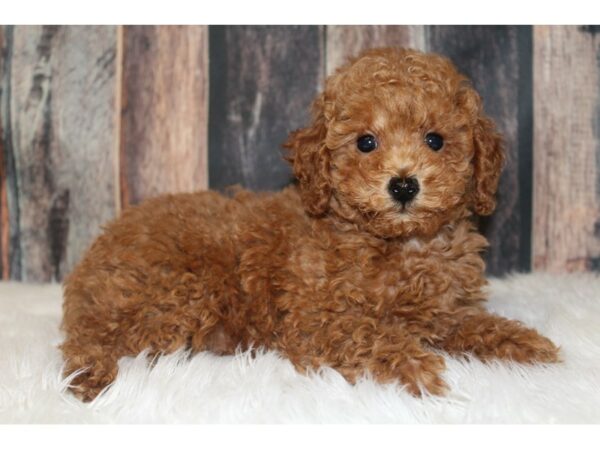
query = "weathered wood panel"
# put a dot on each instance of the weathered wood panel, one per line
(63, 140)
(566, 228)
(11, 255)
(263, 80)
(4, 241)
(344, 41)
(164, 116)
(497, 59)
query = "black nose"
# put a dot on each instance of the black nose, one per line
(403, 190)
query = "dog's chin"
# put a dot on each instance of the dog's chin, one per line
(393, 220)
(403, 222)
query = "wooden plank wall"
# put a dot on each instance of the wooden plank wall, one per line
(164, 111)
(566, 230)
(263, 80)
(4, 228)
(93, 119)
(59, 137)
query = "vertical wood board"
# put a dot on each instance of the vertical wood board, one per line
(62, 113)
(165, 111)
(566, 227)
(263, 82)
(4, 225)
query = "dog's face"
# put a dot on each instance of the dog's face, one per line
(399, 146)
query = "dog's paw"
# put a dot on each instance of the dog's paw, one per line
(420, 372)
(88, 382)
(490, 337)
(423, 374)
(528, 347)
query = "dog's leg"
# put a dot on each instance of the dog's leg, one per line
(188, 315)
(163, 334)
(399, 357)
(98, 366)
(489, 336)
(356, 346)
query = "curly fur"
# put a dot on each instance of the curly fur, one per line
(331, 271)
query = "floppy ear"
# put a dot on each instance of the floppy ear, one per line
(488, 161)
(309, 157)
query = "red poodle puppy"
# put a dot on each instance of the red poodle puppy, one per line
(367, 265)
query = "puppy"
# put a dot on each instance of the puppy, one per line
(368, 264)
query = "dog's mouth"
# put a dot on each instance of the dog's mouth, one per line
(404, 208)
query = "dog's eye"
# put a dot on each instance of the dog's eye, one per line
(434, 141)
(366, 143)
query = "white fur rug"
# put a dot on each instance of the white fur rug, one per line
(240, 389)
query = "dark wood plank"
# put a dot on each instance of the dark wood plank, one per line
(164, 116)
(344, 41)
(263, 81)
(11, 249)
(566, 148)
(498, 60)
(4, 226)
(64, 143)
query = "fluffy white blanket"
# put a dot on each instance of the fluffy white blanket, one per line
(240, 389)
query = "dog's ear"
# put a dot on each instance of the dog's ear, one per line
(310, 159)
(488, 161)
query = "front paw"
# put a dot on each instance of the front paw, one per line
(424, 374)
(492, 337)
(528, 347)
(419, 373)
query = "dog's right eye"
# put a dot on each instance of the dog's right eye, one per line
(366, 143)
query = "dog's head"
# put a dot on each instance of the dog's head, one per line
(398, 144)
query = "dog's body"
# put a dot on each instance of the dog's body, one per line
(369, 261)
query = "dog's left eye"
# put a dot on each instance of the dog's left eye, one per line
(366, 143)
(434, 141)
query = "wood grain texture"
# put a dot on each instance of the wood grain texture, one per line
(566, 227)
(62, 119)
(497, 59)
(4, 226)
(11, 254)
(164, 116)
(263, 81)
(344, 41)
